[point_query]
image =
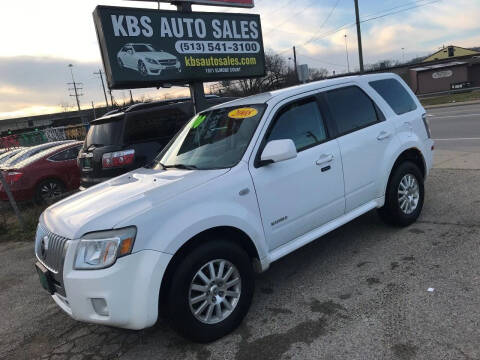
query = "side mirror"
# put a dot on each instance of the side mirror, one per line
(278, 150)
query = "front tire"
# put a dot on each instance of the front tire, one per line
(142, 68)
(210, 291)
(404, 196)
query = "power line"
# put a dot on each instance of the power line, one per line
(345, 26)
(274, 27)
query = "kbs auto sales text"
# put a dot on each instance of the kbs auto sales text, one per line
(183, 27)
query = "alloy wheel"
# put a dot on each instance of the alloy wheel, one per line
(215, 291)
(50, 190)
(408, 194)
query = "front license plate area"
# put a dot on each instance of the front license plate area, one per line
(44, 277)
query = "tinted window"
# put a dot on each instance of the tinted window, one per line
(146, 126)
(395, 95)
(69, 154)
(351, 108)
(300, 121)
(105, 133)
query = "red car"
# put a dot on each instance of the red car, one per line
(44, 175)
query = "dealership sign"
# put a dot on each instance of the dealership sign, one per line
(236, 3)
(148, 48)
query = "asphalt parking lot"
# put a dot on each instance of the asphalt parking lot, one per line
(360, 292)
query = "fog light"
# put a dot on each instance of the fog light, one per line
(100, 306)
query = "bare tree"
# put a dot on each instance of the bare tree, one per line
(277, 75)
(318, 74)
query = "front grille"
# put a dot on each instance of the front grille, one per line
(50, 249)
(167, 62)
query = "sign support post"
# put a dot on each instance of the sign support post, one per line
(197, 92)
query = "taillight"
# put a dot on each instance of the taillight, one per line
(426, 123)
(13, 176)
(117, 158)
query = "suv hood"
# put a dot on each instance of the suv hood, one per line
(103, 206)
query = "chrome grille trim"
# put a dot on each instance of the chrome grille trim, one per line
(52, 258)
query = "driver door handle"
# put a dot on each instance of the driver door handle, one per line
(324, 158)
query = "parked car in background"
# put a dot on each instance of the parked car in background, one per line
(241, 185)
(129, 138)
(26, 152)
(6, 155)
(44, 175)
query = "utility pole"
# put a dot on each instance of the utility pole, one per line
(111, 98)
(403, 55)
(346, 52)
(94, 113)
(99, 73)
(131, 97)
(295, 63)
(359, 37)
(77, 87)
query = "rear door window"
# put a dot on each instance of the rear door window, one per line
(69, 154)
(395, 95)
(147, 125)
(351, 109)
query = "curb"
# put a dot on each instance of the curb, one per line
(462, 103)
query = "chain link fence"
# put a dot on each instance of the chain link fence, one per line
(31, 138)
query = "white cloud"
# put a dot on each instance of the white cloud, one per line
(39, 43)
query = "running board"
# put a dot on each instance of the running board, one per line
(324, 229)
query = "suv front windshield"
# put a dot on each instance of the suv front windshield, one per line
(213, 139)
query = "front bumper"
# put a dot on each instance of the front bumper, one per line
(130, 288)
(157, 69)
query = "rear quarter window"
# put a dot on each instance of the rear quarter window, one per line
(147, 125)
(395, 95)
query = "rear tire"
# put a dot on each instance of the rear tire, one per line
(48, 190)
(404, 195)
(222, 306)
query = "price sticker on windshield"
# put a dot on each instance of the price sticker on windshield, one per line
(242, 113)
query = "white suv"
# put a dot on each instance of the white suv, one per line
(241, 185)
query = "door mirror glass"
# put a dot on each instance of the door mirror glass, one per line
(278, 150)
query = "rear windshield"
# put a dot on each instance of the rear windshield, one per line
(105, 133)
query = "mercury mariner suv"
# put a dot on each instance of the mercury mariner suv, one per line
(241, 185)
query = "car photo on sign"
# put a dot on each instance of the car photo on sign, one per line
(146, 60)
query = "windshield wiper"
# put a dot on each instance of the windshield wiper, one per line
(181, 166)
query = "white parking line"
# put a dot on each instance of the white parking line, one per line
(452, 139)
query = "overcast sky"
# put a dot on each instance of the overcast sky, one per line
(40, 39)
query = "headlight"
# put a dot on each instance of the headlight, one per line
(151, 61)
(98, 250)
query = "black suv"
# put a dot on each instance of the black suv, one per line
(129, 138)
